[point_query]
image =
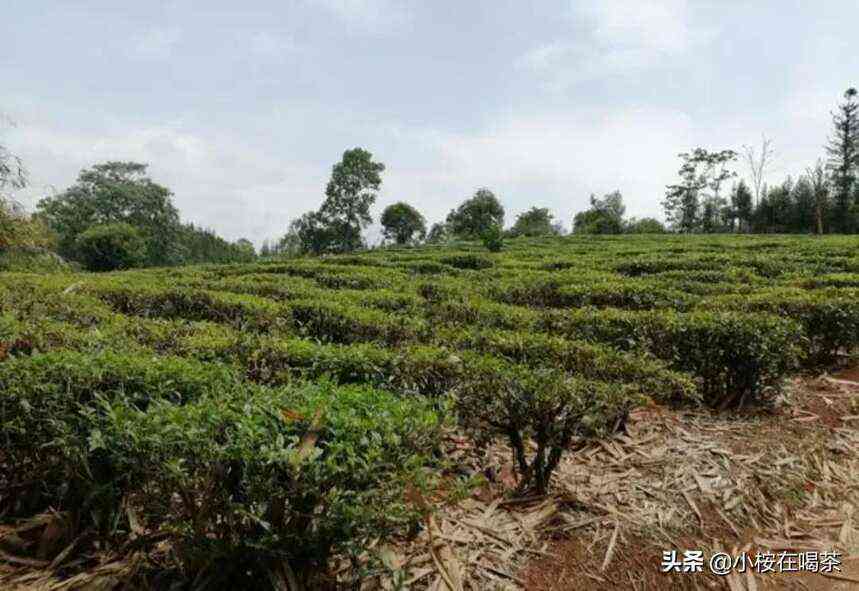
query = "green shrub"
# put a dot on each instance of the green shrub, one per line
(429, 268)
(278, 481)
(32, 260)
(830, 318)
(545, 406)
(46, 407)
(478, 312)
(238, 310)
(109, 247)
(850, 280)
(337, 322)
(493, 238)
(468, 261)
(737, 357)
(551, 293)
(243, 480)
(581, 359)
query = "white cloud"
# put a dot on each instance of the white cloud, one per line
(268, 45)
(657, 25)
(370, 16)
(553, 160)
(219, 182)
(156, 43)
(619, 37)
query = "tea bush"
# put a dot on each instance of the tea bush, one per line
(543, 406)
(736, 356)
(46, 406)
(237, 475)
(269, 416)
(278, 479)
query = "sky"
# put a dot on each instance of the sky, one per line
(242, 108)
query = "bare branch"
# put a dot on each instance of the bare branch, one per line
(758, 162)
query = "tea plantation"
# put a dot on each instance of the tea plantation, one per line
(275, 417)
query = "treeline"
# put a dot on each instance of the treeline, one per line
(338, 225)
(113, 217)
(824, 199)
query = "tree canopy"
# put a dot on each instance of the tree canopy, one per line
(695, 203)
(537, 221)
(475, 216)
(843, 151)
(438, 233)
(337, 225)
(605, 216)
(110, 193)
(110, 247)
(645, 226)
(402, 223)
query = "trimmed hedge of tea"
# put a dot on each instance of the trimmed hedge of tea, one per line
(246, 478)
(203, 381)
(736, 356)
(544, 406)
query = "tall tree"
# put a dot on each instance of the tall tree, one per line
(758, 162)
(537, 221)
(605, 216)
(741, 201)
(843, 151)
(402, 223)
(314, 233)
(438, 233)
(116, 192)
(716, 215)
(354, 184)
(802, 218)
(702, 175)
(820, 188)
(16, 229)
(13, 174)
(475, 216)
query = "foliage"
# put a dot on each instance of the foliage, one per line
(645, 226)
(177, 401)
(199, 245)
(336, 227)
(843, 152)
(742, 204)
(24, 239)
(605, 216)
(115, 192)
(20, 231)
(108, 247)
(402, 223)
(438, 233)
(254, 478)
(467, 261)
(475, 216)
(738, 357)
(701, 177)
(537, 221)
(493, 238)
(544, 406)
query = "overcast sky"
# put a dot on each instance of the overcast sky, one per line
(241, 108)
